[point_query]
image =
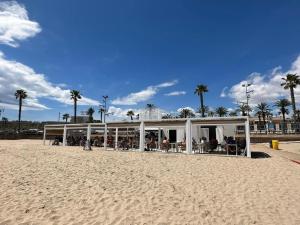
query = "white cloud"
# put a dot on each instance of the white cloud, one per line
(14, 24)
(175, 93)
(266, 87)
(223, 93)
(15, 75)
(167, 84)
(143, 95)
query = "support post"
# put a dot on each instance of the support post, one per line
(247, 133)
(116, 140)
(142, 136)
(44, 136)
(159, 137)
(105, 137)
(188, 131)
(65, 135)
(88, 134)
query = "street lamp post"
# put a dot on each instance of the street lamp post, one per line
(105, 97)
(246, 85)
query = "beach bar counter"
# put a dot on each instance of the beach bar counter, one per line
(227, 135)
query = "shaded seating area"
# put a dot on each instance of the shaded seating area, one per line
(190, 136)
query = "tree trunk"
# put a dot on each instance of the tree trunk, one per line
(131, 117)
(202, 104)
(101, 116)
(20, 109)
(283, 118)
(75, 110)
(264, 121)
(293, 102)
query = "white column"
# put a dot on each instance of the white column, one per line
(44, 137)
(116, 140)
(142, 136)
(247, 133)
(88, 133)
(255, 127)
(188, 132)
(105, 137)
(65, 136)
(159, 137)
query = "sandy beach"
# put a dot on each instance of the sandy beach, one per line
(57, 185)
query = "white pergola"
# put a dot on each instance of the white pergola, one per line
(187, 123)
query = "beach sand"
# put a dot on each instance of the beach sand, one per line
(66, 185)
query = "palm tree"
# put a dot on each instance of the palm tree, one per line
(233, 113)
(210, 113)
(221, 111)
(90, 113)
(66, 116)
(263, 110)
(291, 81)
(4, 121)
(258, 114)
(167, 116)
(20, 94)
(200, 90)
(298, 114)
(75, 95)
(131, 114)
(205, 109)
(283, 105)
(244, 109)
(186, 113)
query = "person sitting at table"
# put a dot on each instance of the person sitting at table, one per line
(231, 144)
(165, 144)
(213, 144)
(152, 144)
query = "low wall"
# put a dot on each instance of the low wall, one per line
(20, 136)
(270, 137)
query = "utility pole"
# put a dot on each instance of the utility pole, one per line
(105, 97)
(58, 116)
(247, 92)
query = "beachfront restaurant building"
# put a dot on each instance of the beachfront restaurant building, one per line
(187, 135)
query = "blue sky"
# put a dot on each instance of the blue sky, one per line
(126, 49)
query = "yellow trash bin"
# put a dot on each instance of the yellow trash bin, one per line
(275, 144)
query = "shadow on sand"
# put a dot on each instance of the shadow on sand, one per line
(259, 155)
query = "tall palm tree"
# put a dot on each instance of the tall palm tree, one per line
(130, 113)
(283, 105)
(291, 81)
(75, 95)
(221, 111)
(200, 90)
(90, 113)
(264, 110)
(101, 111)
(66, 116)
(186, 113)
(20, 94)
(244, 109)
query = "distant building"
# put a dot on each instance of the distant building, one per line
(80, 119)
(273, 125)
